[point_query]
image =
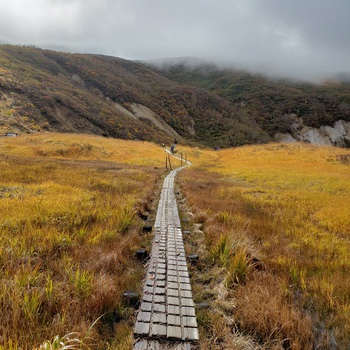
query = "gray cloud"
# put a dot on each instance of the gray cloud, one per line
(298, 38)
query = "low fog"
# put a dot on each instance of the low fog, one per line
(299, 39)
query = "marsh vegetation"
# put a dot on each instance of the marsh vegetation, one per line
(270, 224)
(69, 229)
(275, 246)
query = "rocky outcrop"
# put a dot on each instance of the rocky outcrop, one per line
(141, 111)
(123, 110)
(336, 135)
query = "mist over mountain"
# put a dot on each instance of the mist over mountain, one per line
(299, 39)
(185, 98)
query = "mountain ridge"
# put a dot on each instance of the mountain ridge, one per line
(43, 90)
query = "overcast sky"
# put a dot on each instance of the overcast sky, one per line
(290, 37)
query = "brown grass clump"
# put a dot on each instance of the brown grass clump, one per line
(270, 317)
(69, 230)
(276, 233)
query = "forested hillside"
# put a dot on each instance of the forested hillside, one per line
(43, 90)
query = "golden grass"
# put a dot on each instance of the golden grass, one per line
(274, 254)
(288, 206)
(83, 147)
(69, 229)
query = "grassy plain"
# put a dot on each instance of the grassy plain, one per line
(68, 231)
(272, 233)
(275, 245)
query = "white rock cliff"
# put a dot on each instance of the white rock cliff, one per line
(336, 135)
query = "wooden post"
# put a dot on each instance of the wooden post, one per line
(171, 168)
(166, 163)
(181, 158)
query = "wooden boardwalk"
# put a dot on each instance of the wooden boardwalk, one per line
(166, 319)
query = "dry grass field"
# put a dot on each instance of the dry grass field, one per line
(68, 232)
(275, 246)
(271, 225)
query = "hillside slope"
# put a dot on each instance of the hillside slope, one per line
(43, 90)
(46, 90)
(278, 106)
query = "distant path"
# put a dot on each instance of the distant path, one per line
(179, 158)
(166, 319)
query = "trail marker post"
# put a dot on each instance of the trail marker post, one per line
(171, 168)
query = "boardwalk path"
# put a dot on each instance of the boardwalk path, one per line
(166, 319)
